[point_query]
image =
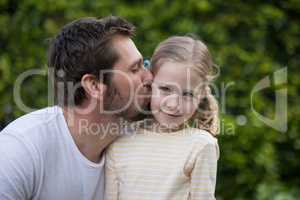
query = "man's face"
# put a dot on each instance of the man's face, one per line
(130, 81)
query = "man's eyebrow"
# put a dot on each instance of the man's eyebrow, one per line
(140, 60)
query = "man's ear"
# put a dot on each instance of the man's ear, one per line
(93, 87)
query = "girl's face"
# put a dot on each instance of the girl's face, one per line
(175, 97)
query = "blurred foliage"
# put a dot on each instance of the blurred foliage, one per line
(248, 40)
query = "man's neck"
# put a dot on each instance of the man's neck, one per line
(91, 132)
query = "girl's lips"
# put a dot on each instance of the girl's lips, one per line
(171, 115)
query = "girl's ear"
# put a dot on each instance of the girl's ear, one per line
(93, 87)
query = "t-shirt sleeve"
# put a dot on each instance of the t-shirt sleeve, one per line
(203, 174)
(16, 169)
(111, 178)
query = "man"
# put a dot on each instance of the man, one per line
(57, 152)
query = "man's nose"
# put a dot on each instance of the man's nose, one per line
(147, 76)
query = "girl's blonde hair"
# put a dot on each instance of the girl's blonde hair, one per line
(192, 51)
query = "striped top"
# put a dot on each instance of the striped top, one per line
(162, 166)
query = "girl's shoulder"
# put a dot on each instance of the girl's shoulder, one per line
(204, 142)
(128, 135)
(202, 137)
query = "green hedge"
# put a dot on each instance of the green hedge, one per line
(249, 41)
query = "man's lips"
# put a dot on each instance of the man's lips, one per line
(147, 86)
(146, 90)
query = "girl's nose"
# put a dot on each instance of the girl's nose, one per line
(172, 102)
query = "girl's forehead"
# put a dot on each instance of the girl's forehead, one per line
(176, 72)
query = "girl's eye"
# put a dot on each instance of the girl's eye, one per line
(188, 94)
(164, 89)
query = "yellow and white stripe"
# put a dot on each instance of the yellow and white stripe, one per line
(152, 166)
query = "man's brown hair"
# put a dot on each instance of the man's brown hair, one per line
(84, 47)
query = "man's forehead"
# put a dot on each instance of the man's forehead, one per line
(127, 51)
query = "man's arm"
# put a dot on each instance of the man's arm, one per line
(16, 169)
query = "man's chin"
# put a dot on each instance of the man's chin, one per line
(138, 117)
(134, 114)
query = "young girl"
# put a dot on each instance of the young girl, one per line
(167, 159)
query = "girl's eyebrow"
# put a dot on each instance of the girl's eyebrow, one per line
(188, 90)
(165, 84)
(174, 87)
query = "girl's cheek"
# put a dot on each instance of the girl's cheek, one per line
(155, 103)
(190, 108)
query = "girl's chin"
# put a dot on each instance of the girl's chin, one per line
(165, 125)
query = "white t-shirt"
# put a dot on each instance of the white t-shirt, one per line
(39, 160)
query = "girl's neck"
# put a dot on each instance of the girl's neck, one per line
(155, 126)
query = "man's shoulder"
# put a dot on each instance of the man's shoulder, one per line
(24, 150)
(33, 120)
(35, 127)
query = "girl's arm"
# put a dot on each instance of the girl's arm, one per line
(203, 175)
(111, 179)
